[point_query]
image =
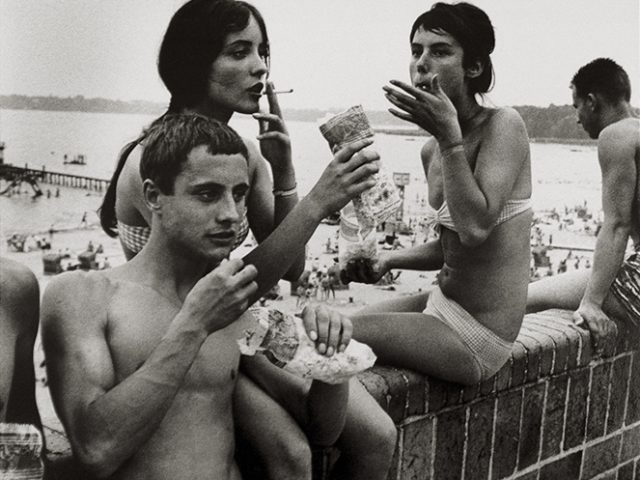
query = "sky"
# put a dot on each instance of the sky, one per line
(333, 53)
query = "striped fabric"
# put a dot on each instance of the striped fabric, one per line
(626, 287)
(490, 351)
(434, 218)
(135, 237)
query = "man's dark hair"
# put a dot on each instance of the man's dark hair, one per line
(169, 141)
(605, 77)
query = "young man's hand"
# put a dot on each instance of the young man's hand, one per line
(222, 295)
(602, 328)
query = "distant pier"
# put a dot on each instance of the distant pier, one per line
(54, 178)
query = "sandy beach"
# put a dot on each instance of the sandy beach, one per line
(77, 240)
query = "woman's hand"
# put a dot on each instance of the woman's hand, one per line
(330, 330)
(349, 174)
(364, 270)
(275, 144)
(429, 108)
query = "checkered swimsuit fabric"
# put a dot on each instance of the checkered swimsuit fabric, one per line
(490, 351)
(134, 237)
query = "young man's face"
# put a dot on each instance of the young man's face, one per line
(203, 214)
(586, 117)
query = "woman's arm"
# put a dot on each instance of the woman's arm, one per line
(272, 199)
(266, 211)
(476, 197)
(346, 176)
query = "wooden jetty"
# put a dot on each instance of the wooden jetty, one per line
(11, 172)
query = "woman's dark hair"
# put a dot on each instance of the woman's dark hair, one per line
(472, 28)
(193, 40)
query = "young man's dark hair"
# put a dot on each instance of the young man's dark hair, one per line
(605, 77)
(169, 141)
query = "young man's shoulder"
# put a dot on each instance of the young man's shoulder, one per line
(621, 138)
(16, 280)
(77, 291)
(627, 130)
(19, 296)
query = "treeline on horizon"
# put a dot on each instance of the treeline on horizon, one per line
(552, 122)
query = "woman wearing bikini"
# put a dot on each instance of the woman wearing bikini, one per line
(214, 60)
(479, 187)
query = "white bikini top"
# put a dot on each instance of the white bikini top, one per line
(442, 217)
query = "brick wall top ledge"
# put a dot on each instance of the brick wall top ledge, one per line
(549, 344)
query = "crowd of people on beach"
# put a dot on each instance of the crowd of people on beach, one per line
(142, 359)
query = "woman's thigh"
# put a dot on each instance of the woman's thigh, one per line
(409, 303)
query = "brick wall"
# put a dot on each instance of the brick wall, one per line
(555, 411)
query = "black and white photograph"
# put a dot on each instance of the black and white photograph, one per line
(319, 240)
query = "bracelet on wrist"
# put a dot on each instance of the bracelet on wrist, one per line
(453, 148)
(286, 193)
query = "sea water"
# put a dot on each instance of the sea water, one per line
(563, 175)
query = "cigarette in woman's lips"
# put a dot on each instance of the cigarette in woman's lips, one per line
(279, 92)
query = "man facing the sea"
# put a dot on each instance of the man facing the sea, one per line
(142, 358)
(601, 95)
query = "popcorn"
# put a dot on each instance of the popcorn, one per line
(346, 127)
(283, 339)
(20, 452)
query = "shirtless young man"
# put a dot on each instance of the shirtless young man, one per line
(601, 95)
(142, 358)
(19, 307)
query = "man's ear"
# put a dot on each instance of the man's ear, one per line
(152, 195)
(592, 101)
(474, 69)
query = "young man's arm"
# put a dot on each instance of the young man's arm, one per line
(19, 307)
(108, 421)
(616, 157)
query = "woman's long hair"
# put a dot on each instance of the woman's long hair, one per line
(193, 40)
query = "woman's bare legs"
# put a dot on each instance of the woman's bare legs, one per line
(368, 438)
(565, 291)
(418, 342)
(410, 303)
(271, 433)
(402, 336)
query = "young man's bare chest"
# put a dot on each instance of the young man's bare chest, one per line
(138, 319)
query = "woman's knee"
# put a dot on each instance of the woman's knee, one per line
(289, 457)
(385, 436)
(379, 436)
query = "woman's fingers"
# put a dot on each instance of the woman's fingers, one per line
(309, 321)
(335, 332)
(402, 115)
(272, 135)
(272, 97)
